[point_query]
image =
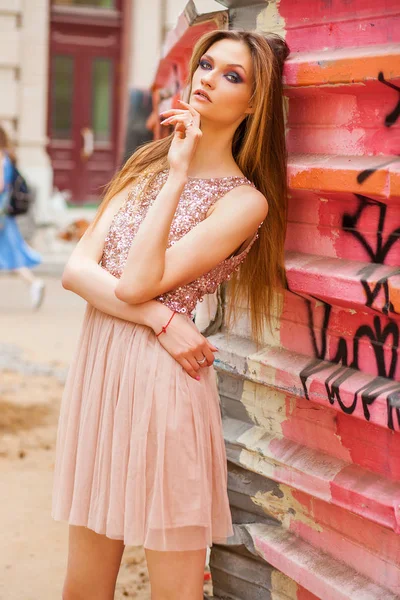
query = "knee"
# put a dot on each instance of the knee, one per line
(70, 592)
(74, 592)
(174, 595)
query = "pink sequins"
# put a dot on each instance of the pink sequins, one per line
(197, 197)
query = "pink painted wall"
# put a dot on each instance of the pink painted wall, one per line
(333, 439)
(312, 421)
(343, 242)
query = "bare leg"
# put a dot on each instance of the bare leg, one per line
(36, 285)
(176, 575)
(93, 564)
(26, 274)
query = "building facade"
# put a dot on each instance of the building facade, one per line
(67, 68)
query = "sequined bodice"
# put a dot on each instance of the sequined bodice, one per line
(197, 197)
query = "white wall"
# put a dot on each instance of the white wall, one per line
(151, 21)
(32, 123)
(24, 31)
(145, 41)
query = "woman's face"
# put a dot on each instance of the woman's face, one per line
(225, 74)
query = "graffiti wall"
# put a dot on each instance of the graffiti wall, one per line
(312, 420)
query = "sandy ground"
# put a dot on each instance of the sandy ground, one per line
(35, 350)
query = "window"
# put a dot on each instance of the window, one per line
(87, 3)
(62, 93)
(102, 73)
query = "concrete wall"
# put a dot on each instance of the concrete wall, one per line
(312, 420)
(23, 82)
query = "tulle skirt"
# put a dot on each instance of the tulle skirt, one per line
(140, 454)
(14, 251)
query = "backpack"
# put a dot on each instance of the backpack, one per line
(20, 197)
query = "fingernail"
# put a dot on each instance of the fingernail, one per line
(198, 378)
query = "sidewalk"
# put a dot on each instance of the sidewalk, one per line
(35, 350)
(44, 238)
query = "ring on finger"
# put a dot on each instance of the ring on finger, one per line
(189, 124)
(202, 361)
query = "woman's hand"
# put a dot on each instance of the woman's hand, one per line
(183, 341)
(186, 137)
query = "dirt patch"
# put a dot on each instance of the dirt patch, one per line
(29, 411)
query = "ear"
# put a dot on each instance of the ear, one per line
(249, 110)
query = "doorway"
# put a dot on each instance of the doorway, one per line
(85, 95)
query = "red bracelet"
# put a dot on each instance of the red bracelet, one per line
(164, 329)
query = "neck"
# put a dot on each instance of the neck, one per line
(213, 156)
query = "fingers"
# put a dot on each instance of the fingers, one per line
(191, 367)
(176, 112)
(213, 348)
(172, 120)
(173, 111)
(203, 360)
(179, 119)
(207, 353)
(190, 108)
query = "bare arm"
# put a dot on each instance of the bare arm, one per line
(152, 269)
(84, 276)
(1, 171)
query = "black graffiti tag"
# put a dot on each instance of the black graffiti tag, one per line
(392, 117)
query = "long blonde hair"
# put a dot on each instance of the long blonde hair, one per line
(6, 145)
(259, 150)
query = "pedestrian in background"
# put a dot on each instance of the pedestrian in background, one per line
(15, 254)
(140, 456)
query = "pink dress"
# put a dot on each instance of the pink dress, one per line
(140, 453)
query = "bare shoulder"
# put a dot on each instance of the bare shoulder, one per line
(254, 197)
(244, 199)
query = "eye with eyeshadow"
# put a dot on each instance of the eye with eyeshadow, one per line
(204, 64)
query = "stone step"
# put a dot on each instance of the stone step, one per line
(363, 396)
(315, 473)
(377, 176)
(342, 66)
(347, 283)
(324, 576)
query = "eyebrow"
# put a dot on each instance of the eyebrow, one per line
(230, 65)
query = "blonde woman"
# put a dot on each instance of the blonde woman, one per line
(140, 450)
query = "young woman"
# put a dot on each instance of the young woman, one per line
(15, 254)
(140, 452)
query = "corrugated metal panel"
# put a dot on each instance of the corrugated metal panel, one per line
(312, 420)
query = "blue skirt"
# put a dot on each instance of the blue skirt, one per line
(14, 251)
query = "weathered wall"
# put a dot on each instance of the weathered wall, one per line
(312, 421)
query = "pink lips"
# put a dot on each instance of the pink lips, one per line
(203, 94)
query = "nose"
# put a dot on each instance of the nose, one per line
(207, 79)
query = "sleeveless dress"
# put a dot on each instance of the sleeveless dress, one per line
(140, 454)
(14, 251)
